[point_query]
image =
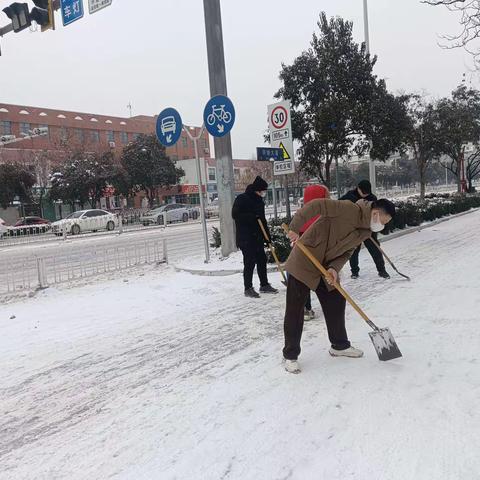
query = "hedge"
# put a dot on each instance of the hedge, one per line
(410, 213)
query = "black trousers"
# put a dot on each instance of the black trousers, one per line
(374, 252)
(254, 254)
(333, 306)
(308, 303)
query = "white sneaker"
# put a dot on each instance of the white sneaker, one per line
(291, 366)
(351, 352)
(308, 315)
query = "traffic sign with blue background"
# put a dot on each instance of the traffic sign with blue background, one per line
(169, 127)
(219, 115)
(72, 10)
(268, 154)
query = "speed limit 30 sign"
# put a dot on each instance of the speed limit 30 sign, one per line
(279, 117)
(280, 127)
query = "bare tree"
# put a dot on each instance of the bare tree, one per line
(472, 167)
(469, 11)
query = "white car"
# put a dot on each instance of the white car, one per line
(212, 209)
(173, 212)
(3, 228)
(86, 221)
(193, 210)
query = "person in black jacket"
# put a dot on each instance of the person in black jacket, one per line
(364, 192)
(247, 209)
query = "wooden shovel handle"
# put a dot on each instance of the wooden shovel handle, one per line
(272, 249)
(325, 273)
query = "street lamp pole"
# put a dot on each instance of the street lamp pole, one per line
(371, 162)
(223, 145)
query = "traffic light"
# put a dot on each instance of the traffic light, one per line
(42, 13)
(18, 14)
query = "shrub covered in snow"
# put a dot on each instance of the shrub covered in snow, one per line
(413, 212)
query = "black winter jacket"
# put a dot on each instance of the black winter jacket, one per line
(354, 197)
(247, 208)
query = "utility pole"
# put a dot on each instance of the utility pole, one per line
(223, 145)
(371, 162)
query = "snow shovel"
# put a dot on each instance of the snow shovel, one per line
(387, 259)
(382, 338)
(272, 251)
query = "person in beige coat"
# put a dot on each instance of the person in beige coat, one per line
(340, 229)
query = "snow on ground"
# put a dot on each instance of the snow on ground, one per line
(233, 262)
(176, 376)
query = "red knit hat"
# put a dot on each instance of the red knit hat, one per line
(313, 192)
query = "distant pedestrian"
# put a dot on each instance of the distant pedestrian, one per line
(364, 192)
(247, 209)
(310, 193)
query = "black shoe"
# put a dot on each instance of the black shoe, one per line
(250, 292)
(384, 274)
(355, 275)
(268, 289)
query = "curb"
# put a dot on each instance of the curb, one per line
(385, 238)
(218, 273)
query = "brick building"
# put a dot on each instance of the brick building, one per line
(87, 132)
(91, 131)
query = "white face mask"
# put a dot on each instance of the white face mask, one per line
(376, 225)
(263, 194)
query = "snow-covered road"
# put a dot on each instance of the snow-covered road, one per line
(172, 376)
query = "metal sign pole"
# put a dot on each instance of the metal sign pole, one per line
(274, 191)
(200, 190)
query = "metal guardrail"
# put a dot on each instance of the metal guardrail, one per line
(34, 272)
(43, 233)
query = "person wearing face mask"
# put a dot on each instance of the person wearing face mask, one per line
(247, 209)
(364, 192)
(340, 229)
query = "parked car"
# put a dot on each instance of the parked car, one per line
(30, 226)
(85, 221)
(173, 212)
(193, 210)
(3, 228)
(212, 209)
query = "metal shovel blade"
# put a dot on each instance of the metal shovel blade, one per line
(385, 345)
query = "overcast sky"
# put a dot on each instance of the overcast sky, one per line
(152, 53)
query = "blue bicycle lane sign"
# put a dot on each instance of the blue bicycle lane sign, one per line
(169, 127)
(219, 115)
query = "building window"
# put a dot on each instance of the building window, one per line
(136, 136)
(24, 128)
(80, 135)
(124, 137)
(5, 127)
(63, 134)
(212, 174)
(184, 142)
(236, 173)
(110, 136)
(95, 136)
